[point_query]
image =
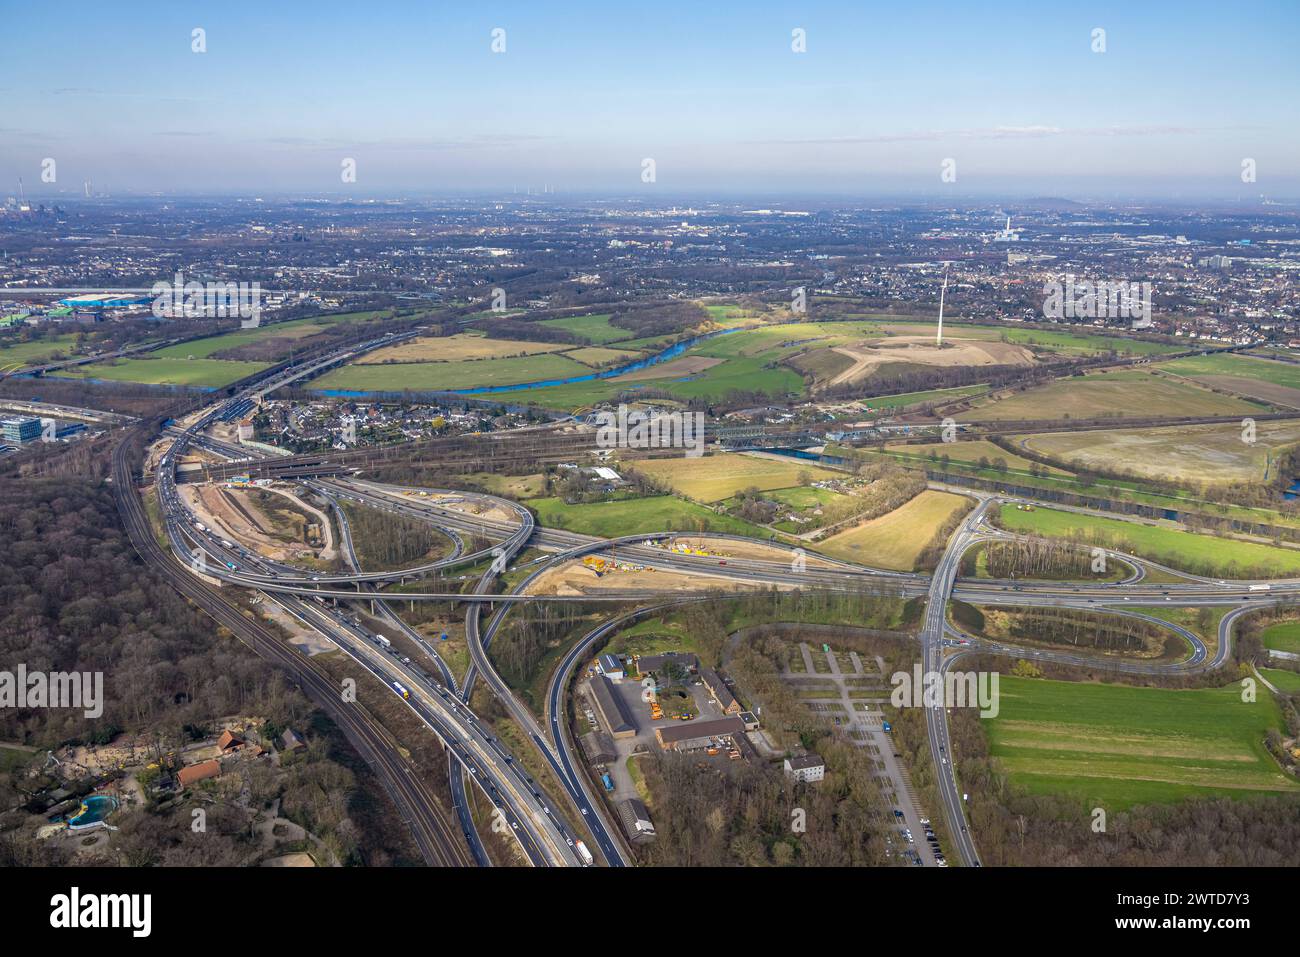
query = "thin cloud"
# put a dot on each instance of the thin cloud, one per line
(993, 133)
(485, 141)
(84, 91)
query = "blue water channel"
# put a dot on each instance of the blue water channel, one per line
(664, 355)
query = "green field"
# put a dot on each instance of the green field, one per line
(1117, 394)
(895, 540)
(433, 376)
(1270, 381)
(967, 450)
(904, 399)
(786, 338)
(1213, 454)
(653, 636)
(745, 374)
(634, 516)
(191, 363)
(1242, 367)
(730, 314)
(291, 330)
(1187, 551)
(1073, 342)
(599, 357)
(803, 497)
(595, 327)
(576, 395)
(1283, 636)
(1051, 340)
(15, 353)
(204, 373)
(712, 478)
(750, 363)
(1115, 746)
(1288, 682)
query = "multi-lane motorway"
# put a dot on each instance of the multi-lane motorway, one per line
(936, 713)
(200, 560)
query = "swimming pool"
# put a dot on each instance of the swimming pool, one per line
(93, 811)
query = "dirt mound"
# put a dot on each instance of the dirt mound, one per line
(921, 350)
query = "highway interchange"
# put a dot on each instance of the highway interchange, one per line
(328, 603)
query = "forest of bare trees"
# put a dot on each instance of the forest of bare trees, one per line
(75, 597)
(672, 317)
(1040, 558)
(386, 540)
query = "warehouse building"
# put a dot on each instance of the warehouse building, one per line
(610, 667)
(609, 705)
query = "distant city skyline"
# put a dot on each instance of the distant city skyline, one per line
(1012, 94)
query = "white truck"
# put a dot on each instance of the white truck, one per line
(383, 641)
(1259, 587)
(587, 859)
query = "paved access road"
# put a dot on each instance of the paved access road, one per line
(474, 753)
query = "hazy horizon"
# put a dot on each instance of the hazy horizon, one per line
(1013, 95)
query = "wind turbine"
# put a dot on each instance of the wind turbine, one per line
(938, 336)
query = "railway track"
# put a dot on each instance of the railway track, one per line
(438, 841)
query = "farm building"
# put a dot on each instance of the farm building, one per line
(653, 664)
(198, 772)
(698, 734)
(720, 692)
(636, 820)
(598, 747)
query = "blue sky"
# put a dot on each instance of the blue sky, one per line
(712, 92)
